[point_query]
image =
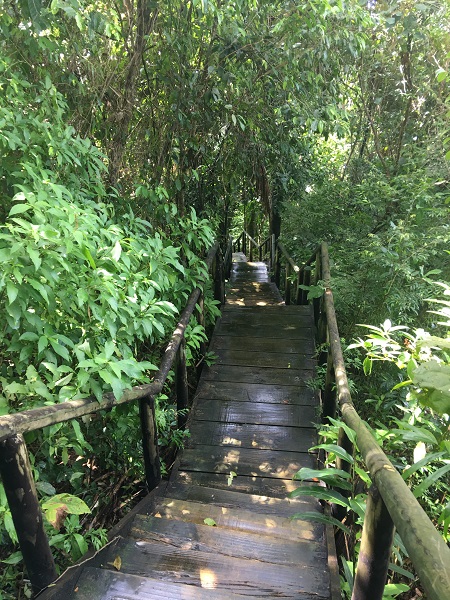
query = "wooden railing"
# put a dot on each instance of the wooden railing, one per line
(15, 468)
(390, 504)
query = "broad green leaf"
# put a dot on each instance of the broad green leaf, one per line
(17, 209)
(335, 449)
(321, 493)
(421, 463)
(12, 291)
(320, 518)
(210, 522)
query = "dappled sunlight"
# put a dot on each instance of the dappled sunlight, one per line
(231, 441)
(208, 579)
(270, 523)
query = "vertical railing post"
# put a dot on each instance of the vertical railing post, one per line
(150, 442)
(375, 550)
(287, 284)
(182, 388)
(17, 477)
(317, 277)
(277, 268)
(306, 282)
(219, 281)
(273, 258)
(244, 243)
(328, 393)
(201, 322)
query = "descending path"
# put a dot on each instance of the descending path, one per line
(251, 425)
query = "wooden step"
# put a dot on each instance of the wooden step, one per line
(257, 393)
(262, 375)
(245, 461)
(208, 570)
(237, 544)
(103, 584)
(241, 519)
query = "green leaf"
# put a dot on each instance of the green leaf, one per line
(335, 449)
(426, 483)
(13, 559)
(12, 291)
(45, 487)
(116, 251)
(17, 209)
(333, 477)
(321, 493)
(210, 522)
(319, 518)
(421, 463)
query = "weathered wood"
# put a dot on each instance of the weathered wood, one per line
(245, 461)
(265, 437)
(258, 414)
(232, 498)
(249, 357)
(375, 550)
(182, 389)
(257, 393)
(279, 331)
(265, 486)
(241, 519)
(203, 569)
(150, 446)
(258, 374)
(103, 584)
(263, 344)
(328, 393)
(237, 544)
(17, 477)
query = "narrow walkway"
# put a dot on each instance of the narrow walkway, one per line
(221, 528)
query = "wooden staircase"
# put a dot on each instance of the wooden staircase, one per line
(221, 527)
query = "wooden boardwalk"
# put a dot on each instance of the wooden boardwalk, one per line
(251, 425)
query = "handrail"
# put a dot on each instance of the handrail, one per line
(15, 468)
(390, 501)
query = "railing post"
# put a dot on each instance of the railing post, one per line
(277, 268)
(317, 277)
(287, 284)
(273, 257)
(244, 243)
(150, 442)
(219, 282)
(375, 550)
(17, 477)
(328, 394)
(182, 385)
(201, 322)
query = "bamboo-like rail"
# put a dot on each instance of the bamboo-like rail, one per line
(15, 468)
(391, 502)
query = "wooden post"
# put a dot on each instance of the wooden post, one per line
(344, 442)
(273, 258)
(287, 284)
(182, 385)
(244, 243)
(17, 477)
(306, 282)
(375, 551)
(150, 442)
(317, 302)
(219, 284)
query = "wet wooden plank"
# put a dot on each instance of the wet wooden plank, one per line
(231, 498)
(260, 375)
(228, 411)
(257, 393)
(266, 345)
(201, 569)
(249, 357)
(245, 461)
(251, 436)
(104, 584)
(237, 544)
(264, 486)
(241, 519)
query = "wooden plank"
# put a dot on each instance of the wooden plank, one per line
(103, 584)
(237, 544)
(213, 571)
(249, 358)
(267, 345)
(256, 393)
(228, 411)
(245, 461)
(257, 375)
(241, 520)
(251, 436)
(290, 331)
(264, 486)
(231, 498)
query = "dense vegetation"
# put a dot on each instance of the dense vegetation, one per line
(132, 133)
